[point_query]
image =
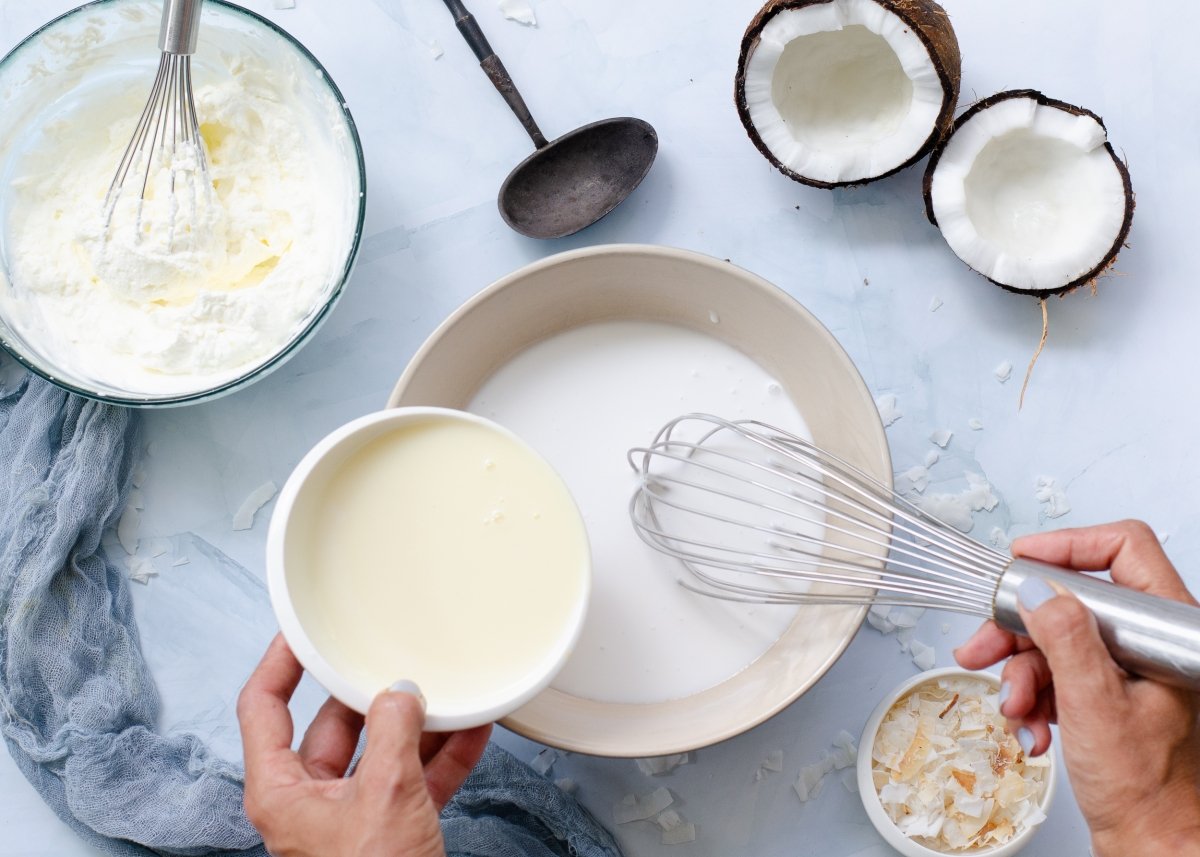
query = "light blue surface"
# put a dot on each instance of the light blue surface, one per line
(1110, 411)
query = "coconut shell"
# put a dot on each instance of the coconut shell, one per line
(931, 24)
(1111, 256)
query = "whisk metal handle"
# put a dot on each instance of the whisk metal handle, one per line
(180, 27)
(1149, 636)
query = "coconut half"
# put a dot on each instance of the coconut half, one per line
(1029, 192)
(842, 92)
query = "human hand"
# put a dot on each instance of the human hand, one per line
(1131, 746)
(301, 801)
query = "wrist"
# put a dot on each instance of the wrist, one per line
(1175, 832)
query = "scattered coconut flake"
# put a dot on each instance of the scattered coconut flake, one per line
(681, 835)
(904, 638)
(850, 782)
(669, 819)
(519, 11)
(656, 766)
(931, 458)
(975, 424)
(808, 784)
(1162, 538)
(915, 478)
(999, 539)
(948, 774)
(845, 754)
(183, 560)
(942, 437)
(773, 762)
(935, 304)
(979, 493)
(544, 761)
(877, 618)
(255, 500)
(845, 750)
(633, 808)
(127, 529)
(1003, 371)
(1055, 498)
(141, 569)
(151, 449)
(922, 655)
(137, 499)
(284, 4)
(945, 628)
(906, 617)
(888, 412)
(138, 477)
(948, 508)
(567, 784)
(435, 50)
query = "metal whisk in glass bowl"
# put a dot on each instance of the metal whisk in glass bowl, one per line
(68, 75)
(167, 135)
(757, 514)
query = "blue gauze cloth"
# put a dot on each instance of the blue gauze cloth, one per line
(79, 708)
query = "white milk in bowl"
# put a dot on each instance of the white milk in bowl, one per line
(431, 546)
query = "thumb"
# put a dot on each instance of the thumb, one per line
(1085, 676)
(392, 760)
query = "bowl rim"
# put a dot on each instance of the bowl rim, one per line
(354, 433)
(870, 797)
(318, 317)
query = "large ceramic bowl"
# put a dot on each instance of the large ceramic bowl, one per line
(40, 81)
(659, 284)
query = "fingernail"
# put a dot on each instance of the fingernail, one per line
(409, 687)
(1026, 740)
(1005, 691)
(1034, 592)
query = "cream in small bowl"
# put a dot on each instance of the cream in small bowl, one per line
(433, 546)
(939, 773)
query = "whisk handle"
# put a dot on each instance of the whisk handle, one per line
(1149, 636)
(180, 27)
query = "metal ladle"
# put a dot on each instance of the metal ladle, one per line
(571, 182)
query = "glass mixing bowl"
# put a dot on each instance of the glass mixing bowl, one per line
(114, 43)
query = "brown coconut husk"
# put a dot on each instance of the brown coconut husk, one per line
(1102, 267)
(931, 24)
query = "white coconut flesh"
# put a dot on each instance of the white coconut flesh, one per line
(842, 91)
(1029, 195)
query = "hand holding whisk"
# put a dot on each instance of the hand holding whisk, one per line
(167, 134)
(758, 514)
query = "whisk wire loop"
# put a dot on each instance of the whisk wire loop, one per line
(845, 532)
(168, 124)
(934, 568)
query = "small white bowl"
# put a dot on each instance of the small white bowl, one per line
(870, 797)
(286, 535)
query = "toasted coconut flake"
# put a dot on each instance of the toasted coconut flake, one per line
(949, 775)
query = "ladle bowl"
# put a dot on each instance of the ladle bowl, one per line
(571, 182)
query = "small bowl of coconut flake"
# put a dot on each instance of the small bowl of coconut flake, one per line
(939, 773)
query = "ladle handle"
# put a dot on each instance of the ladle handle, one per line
(1148, 636)
(495, 69)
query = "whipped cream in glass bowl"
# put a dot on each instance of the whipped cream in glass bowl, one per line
(192, 293)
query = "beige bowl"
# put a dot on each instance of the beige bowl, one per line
(648, 283)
